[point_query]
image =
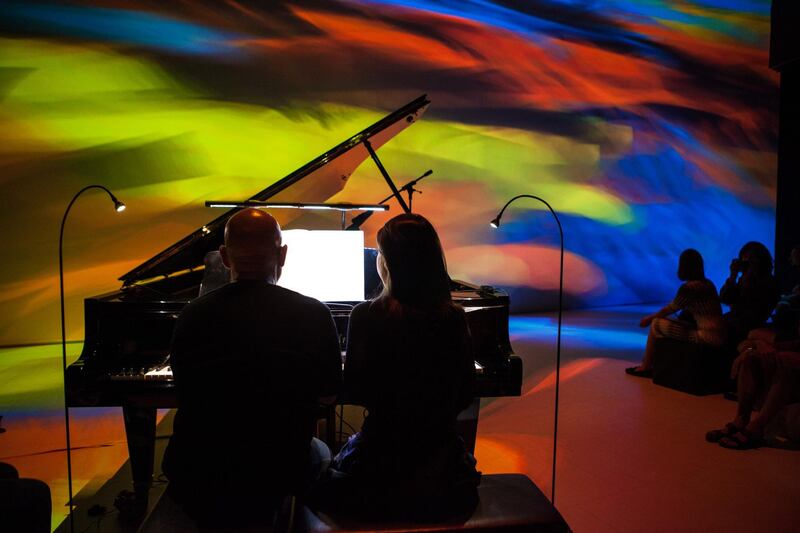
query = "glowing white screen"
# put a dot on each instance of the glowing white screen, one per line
(326, 265)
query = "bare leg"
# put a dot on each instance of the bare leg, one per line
(650, 347)
(763, 334)
(780, 392)
(748, 385)
(757, 375)
(649, 351)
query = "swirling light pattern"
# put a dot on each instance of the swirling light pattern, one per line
(649, 125)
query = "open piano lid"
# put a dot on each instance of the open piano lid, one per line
(314, 182)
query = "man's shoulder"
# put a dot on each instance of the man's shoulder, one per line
(286, 299)
(201, 302)
(299, 300)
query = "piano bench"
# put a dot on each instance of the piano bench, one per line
(508, 503)
(169, 517)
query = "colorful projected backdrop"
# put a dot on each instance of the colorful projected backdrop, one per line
(650, 125)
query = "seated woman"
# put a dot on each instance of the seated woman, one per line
(410, 363)
(750, 291)
(700, 321)
(768, 378)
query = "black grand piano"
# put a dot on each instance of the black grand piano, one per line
(127, 337)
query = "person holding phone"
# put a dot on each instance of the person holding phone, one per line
(750, 291)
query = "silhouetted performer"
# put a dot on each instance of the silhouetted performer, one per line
(750, 291)
(250, 360)
(700, 321)
(410, 363)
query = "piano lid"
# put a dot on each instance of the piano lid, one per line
(314, 182)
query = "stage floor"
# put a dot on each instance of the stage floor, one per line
(631, 455)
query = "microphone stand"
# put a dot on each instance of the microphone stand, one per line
(358, 220)
(409, 188)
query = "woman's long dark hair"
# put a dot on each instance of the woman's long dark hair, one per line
(416, 264)
(762, 256)
(690, 265)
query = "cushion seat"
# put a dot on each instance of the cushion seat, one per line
(698, 369)
(508, 503)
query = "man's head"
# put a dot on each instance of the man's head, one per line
(252, 248)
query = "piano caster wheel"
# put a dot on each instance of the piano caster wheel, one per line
(131, 506)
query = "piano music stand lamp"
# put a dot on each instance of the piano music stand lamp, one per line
(496, 224)
(342, 207)
(118, 207)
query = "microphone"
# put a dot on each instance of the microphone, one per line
(410, 184)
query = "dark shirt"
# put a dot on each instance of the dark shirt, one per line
(250, 360)
(792, 284)
(751, 300)
(413, 372)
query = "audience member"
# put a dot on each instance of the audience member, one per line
(768, 378)
(787, 313)
(410, 363)
(25, 504)
(750, 291)
(700, 321)
(794, 262)
(251, 360)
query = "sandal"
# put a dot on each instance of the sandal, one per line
(715, 435)
(634, 371)
(743, 440)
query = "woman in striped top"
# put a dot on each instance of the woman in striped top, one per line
(700, 320)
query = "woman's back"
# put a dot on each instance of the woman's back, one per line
(409, 362)
(413, 371)
(700, 299)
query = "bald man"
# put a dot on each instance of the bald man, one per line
(251, 361)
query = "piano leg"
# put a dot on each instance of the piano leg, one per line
(140, 429)
(467, 424)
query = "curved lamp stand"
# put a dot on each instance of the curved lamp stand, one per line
(496, 224)
(119, 207)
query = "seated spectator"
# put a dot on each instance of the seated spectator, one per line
(750, 291)
(768, 377)
(410, 363)
(24, 503)
(787, 313)
(700, 321)
(251, 360)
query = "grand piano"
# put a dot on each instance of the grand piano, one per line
(127, 332)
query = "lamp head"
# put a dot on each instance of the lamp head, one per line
(495, 223)
(119, 207)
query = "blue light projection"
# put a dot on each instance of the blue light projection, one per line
(650, 126)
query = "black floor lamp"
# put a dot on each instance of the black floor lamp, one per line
(119, 207)
(496, 224)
